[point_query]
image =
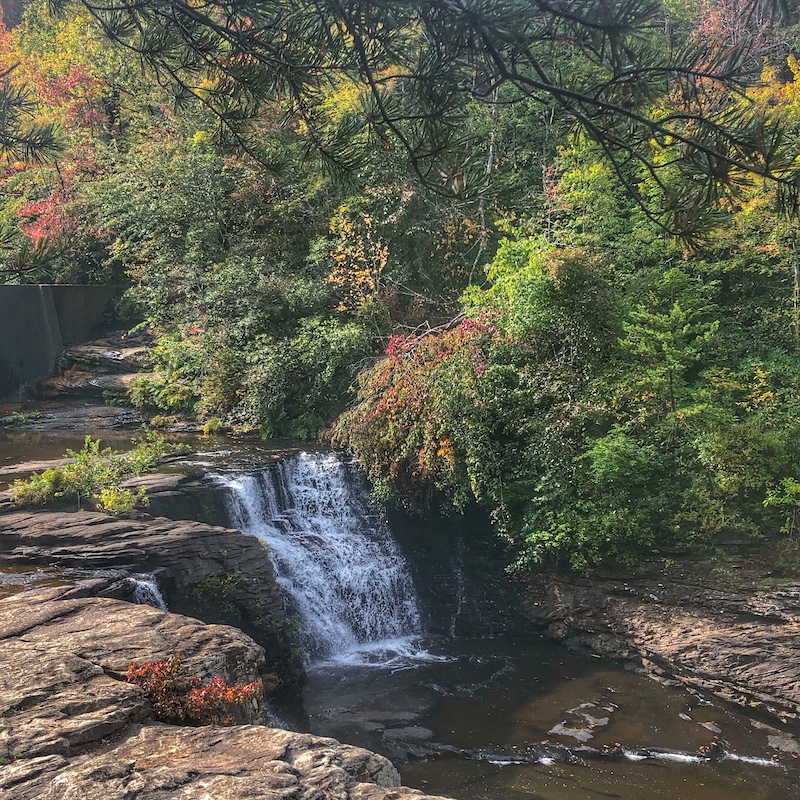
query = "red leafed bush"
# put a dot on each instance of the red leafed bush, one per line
(176, 697)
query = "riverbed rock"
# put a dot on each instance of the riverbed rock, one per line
(163, 761)
(89, 416)
(105, 355)
(63, 662)
(741, 644)
(217, 574)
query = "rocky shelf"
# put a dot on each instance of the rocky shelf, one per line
(71, 726)
(218, 574)
(740, 642)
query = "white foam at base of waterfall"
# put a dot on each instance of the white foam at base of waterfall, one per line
(340, 570)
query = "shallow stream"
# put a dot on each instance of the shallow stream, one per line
(492, 699)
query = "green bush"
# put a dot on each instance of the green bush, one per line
(95, 474)
(118, 501)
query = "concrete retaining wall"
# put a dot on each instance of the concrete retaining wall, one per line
(37, 321)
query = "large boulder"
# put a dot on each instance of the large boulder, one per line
(163, 761)
(217, 574)
(64, 659)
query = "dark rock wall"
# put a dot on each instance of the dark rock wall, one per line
(458, 565)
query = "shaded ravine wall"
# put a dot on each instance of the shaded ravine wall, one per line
(37, 321)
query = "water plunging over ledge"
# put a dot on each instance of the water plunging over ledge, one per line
(341, 572)
(500, 719)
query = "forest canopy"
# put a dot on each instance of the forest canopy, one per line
(539, 256)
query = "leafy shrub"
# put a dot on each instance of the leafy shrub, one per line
(115, 500)
(94, 471)
(176, 697)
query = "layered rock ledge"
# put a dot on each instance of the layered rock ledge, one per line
(71, 727)
(741, 644)
(217, 574)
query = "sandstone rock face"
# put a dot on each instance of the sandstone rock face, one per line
(162, 761)
(63, 662)
(218, 574)
(77, 383)
(89, 416)
(743, 646)
(106, 355)
(182, 496)
(71, 728)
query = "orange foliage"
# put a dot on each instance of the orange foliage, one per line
(178, 698)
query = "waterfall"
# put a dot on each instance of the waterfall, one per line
(340, 570)
(146, 591)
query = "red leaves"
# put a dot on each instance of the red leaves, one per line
(416, 408)
(79, 94)
(50, 218)
(179, 698)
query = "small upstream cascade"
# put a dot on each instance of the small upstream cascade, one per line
(146, 591)
(340, 570)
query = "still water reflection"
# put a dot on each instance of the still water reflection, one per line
(495, 702)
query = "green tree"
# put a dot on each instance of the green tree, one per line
(668, 334)
(415, 62)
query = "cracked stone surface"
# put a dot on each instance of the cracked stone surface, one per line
(71, 728)
(63, 663)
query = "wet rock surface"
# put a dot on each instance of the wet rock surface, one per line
(100, 368)
(217, 574)
(741, 644)
(79, 383)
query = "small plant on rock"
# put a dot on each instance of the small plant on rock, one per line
(117, 501)
(96, 473)
(178, 698)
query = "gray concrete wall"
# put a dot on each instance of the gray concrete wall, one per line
(37, 321)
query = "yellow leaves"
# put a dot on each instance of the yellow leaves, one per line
(760, 393)
(345, 99)
(455, 230)
(784, 97)
(359, 257)
(447, 453)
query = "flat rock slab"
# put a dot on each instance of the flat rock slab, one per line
(106, 357)
(75, 383)
(73, 415)
(253, 762)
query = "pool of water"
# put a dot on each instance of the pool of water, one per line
(486, 705)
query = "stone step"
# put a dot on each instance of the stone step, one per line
(100, 357)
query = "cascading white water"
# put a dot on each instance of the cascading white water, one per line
(340, 569)
(146, 591)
